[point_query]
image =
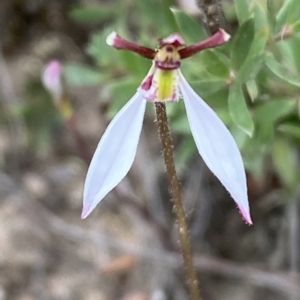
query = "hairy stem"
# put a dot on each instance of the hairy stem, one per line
(164, 134)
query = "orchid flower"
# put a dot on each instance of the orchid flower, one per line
(165, 83)
(52, 80)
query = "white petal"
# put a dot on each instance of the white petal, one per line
(115, 153)
(216, 146)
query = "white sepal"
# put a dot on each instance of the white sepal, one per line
(216, 146)
(115, 153)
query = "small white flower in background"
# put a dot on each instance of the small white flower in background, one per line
(165, 83)
(52, 79)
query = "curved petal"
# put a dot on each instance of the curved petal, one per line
(115, 153)
(216, 146)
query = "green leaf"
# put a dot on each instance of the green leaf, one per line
(238, 109)
(81, 75)
(295, 27)
(271, 111)
(285, 161)
(135, 64)
(225, 116)
(271, 16)
(208, 86)
(190, 29)
(99, 50)
(250, 68)
(158, 14)
(288, 13)
(280, 71)
(295, 46)
(259, 43)
(267, 114)
(218, 100)
(265, 133)
(242, 10)
(92, 15)
(122, 92)
(239, 135)
(290, 128)
(260, 16)
(167, 16)
(254, 159)
(252, 89)
(242, 43)
(215, 63)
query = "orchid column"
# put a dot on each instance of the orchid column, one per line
(117, 148)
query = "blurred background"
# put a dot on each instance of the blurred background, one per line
(127, 249)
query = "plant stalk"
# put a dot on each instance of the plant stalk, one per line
(165, 137)
(212, 15)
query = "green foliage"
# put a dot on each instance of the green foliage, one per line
(288, 13)
(250, 68)
(208, 86)
(122, 91)
(271, 14)
(283, 73)
(191, 30)
(242, 10)
(215, 63)
(238, 109)
(285, 161)
(92, 15)
(241, 44)
(42, 119)
(80, 75)
(157, 14)
(252, 82)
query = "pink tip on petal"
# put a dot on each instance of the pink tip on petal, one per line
(246, 215)
(85, 213)
(83, 216)
(173, 39)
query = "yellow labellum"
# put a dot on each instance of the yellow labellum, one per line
(166, 81)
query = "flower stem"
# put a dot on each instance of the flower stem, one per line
(165, 137)
(212, 15)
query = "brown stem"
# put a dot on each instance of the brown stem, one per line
(212, 15)
(164, 134)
